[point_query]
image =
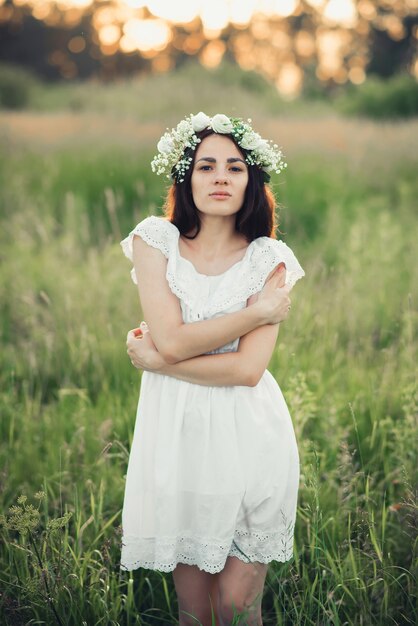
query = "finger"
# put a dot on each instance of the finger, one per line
(278, 270)
(276, 278)
(279, 276)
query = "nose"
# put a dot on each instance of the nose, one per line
(221, 178)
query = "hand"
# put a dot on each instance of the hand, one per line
(274, 297)
(142, 351)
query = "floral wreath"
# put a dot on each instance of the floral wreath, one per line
(172, 161)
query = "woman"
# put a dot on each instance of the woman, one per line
(213, 474)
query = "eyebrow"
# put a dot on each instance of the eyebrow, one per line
(230, 160)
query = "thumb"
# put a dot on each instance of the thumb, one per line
(280, 275)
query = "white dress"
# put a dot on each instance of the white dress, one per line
(213, 471)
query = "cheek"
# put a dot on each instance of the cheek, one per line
(196, 180)
(244, 185)
(193, 186)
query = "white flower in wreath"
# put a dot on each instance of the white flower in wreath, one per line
(184, 128)
(200, 121)
(252, 141)
(221, 124)
(165, 145)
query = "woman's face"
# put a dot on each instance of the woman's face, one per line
(220, 176)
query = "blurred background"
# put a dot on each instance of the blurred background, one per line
(314, 48)
(86, 90)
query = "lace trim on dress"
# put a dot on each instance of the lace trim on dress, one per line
(163, 235)
(208, 554)
(262, 256)
(264, 547)
(266, 254)
(155, 232)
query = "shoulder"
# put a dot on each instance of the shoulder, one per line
(266, 248)
(156, 231)
(154, 225)
(267, 253)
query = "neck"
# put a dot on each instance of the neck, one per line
(217, 234)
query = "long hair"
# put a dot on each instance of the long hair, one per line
(256, 217)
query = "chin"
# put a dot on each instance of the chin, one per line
(218, 208)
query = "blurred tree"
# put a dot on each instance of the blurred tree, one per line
(389, 54)
(323, 45)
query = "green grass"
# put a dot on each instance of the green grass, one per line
(159, 97)
(345, 360)
(396, 97)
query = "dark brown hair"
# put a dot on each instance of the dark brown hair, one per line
(256, 217)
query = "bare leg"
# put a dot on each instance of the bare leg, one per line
(194, 589)
(241, 587)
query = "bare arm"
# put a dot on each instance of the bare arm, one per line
(212, 370)
(244, 367)
(175, 340)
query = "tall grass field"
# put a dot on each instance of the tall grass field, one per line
(73, 183)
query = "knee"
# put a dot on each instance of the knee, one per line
(233, 604)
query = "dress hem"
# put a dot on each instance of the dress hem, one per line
(210, 554)
(214, 569)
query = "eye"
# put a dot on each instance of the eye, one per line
(233, 168)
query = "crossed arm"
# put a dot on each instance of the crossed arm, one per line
(182, 345)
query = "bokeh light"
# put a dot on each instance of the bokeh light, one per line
(149, 34)
(281, 39)
(176, 12)
(341, 12)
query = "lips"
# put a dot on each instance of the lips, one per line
(220, 193)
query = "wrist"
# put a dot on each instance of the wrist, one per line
(259, 314)
(160, 365)
(154, 363)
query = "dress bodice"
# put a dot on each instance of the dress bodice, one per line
(204, 296)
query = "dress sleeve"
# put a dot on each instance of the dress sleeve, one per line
(249, 277)
(267, 255)
(155, 231)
